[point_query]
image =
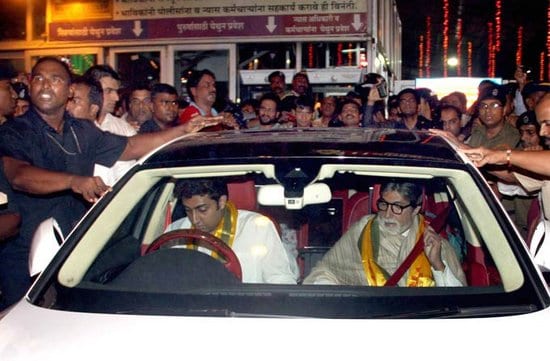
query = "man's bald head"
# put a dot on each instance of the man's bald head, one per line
(542, 110)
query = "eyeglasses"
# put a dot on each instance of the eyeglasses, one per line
(395, 208)
(485, 106)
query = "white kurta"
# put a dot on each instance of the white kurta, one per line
(258, 247)
(116, 126)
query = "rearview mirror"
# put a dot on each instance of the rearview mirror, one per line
(274, 195)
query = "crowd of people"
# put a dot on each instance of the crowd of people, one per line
(66, 140)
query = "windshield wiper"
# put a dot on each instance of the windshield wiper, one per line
(458, 312)
(229, 313)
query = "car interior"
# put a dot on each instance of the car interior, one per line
(125, 261)
(144, 208)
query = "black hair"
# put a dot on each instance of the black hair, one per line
(194, 79)
(446, 106)
(101, 71)
(302, 74)
(273, 97)
(250, 101)
(409, 190)
(162, 88)
(212, 187)
(410, 91)
(139, 85)
(349, 101)
(96, 91)
(304, 101)
(275, 74)
(393, 102)
(54, 59)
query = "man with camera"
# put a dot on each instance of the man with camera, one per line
(374, 115)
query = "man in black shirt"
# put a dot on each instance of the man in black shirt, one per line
(49, 158)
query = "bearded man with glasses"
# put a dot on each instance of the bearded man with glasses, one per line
(395, 246)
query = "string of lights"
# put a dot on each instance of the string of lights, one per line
(421, 56)
(548, 39)
(519, 49)
(428, 43)
(491, 49)
(470, 63)
(453, 24)
(445, 36)
(498, 24)
(459, 46)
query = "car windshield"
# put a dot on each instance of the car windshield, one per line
(146, 247)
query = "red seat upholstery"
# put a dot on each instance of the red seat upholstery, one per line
(355, 205)
(474, 267)
(243, 195)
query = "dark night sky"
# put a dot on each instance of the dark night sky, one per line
(531, 14)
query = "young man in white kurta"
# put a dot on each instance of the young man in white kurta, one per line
(256, 241)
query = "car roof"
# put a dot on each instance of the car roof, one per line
(378, 145)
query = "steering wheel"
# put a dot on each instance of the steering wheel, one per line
(196, 237)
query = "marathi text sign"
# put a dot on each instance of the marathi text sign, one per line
(99, 30)
(152, 9)
(203, 27)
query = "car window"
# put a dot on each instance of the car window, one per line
(117, 260)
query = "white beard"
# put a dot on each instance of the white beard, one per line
(393, 230)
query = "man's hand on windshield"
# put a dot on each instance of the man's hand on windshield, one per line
(199, 122)
(91, 188)
(229, 121)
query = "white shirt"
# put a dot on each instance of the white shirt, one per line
(116, 126)
(258, 247)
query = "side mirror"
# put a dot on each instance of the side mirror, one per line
(45, 242)
(274, 195)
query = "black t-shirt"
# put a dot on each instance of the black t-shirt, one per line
(149, 126)
(422, 124)
(82, 144)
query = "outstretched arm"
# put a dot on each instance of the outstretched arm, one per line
(140, 144)
(533, 161)
(31, 179)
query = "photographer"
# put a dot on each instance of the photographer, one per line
(374, 108)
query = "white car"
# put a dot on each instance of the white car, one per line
(115, 291)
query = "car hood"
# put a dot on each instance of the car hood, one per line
(30, 332)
